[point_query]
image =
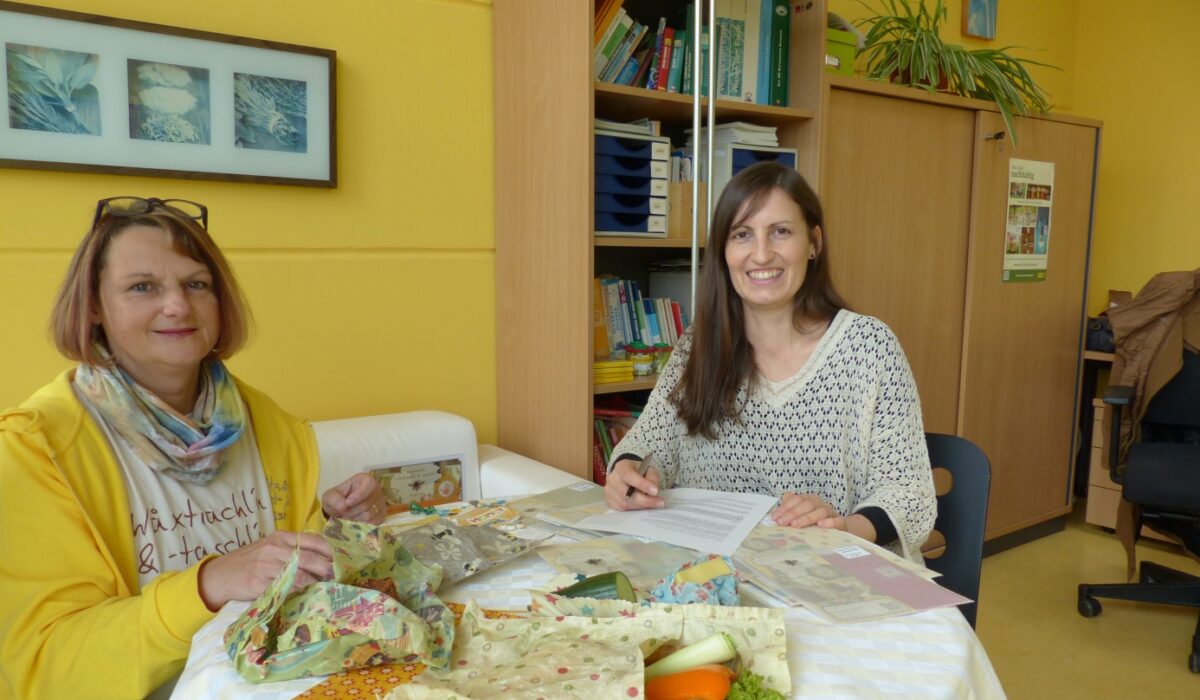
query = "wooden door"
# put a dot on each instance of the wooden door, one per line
(897, 192)
(1021, 354)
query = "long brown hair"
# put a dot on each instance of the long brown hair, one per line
(71, 328)
(721, 359)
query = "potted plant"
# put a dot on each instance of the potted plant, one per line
(904, 47)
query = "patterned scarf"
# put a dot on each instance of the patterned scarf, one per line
(182, 447)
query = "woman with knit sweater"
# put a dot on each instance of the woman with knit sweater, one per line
(779, 389)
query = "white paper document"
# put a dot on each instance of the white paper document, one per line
(713, 522)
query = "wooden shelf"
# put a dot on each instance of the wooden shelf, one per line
(637, 242)
(1099, 356)
(622, 102)
(638, 384)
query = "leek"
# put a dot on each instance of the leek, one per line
(715, 649)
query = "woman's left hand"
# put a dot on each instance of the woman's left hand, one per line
(357, 498)
(805, 509)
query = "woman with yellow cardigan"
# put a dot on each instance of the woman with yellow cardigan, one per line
(147, 487)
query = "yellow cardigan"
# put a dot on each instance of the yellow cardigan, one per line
(73, 621)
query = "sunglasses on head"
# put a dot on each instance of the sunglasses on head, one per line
(135, 206)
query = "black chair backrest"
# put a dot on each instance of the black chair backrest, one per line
(961, 516)
(1178, 402)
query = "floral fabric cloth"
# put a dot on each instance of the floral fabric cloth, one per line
(462, 550)
(380, 608)
(711, 579)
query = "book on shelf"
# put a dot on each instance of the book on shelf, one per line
(608, 48)
(675, 75)
(604, 17)
(766, 10)
(656, 57)
(645, 60)
(599, 322)
(599, 465)
(751, 18)
(730, 44)
(625, 52)
(664, 63)
(781, 29)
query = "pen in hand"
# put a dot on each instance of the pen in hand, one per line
(642, 469)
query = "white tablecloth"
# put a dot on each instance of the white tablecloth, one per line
(933, 654)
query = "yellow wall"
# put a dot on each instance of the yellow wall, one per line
(1141, 63)
(373, 297)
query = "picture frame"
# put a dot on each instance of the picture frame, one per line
(979, 18)
(95, 94)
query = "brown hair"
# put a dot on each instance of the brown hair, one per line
(71, 328)
(721, 360)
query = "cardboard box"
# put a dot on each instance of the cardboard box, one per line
(840, 47)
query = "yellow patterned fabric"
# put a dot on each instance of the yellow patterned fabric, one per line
(591, 649)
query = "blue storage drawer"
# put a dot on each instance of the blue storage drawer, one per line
(614, 224)
(631, 167)
(632, 147)
(621, 184)
(630, 204)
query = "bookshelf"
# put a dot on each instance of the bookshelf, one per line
(546, 97)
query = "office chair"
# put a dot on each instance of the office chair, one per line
(1161, 482)
(961, 516)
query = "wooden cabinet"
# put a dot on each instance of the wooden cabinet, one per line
(916, 192)
(546, 254)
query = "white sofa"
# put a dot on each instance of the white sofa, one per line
(352, 445)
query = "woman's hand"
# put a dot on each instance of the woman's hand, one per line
(625, 475)
(245, 573)
(805, 509)
(357, 498)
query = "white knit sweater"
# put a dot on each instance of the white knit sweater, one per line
(847, 428)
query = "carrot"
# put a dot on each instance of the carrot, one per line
(707, 682)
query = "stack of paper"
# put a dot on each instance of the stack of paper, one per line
(739, 132)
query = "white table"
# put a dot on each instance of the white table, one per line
(933, 654)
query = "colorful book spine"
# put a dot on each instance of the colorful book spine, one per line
(675, 76)
(664, 64)
(635, 332)
(600, 348)
(781, 29)
(652, 74)
(618, 333)
(766, 10)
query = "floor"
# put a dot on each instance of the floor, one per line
(1042, 648)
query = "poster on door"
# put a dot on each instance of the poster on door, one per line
(1027, 228)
